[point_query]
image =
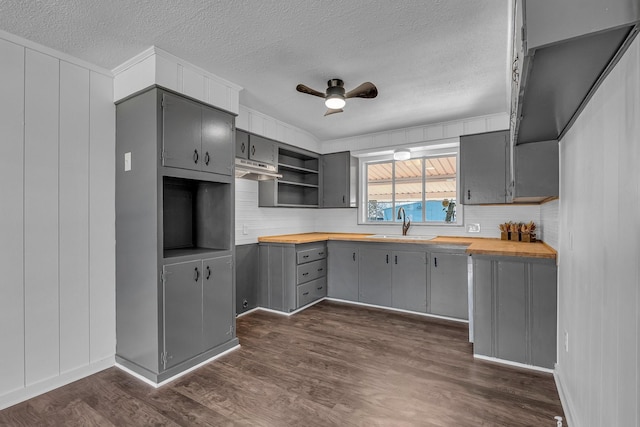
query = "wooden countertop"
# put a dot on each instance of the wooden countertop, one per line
(475, 245)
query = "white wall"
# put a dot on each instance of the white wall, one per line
(548, 227)
(57, 312)
(599, 240)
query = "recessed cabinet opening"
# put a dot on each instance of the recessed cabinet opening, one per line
(195, 216)
(294, 160)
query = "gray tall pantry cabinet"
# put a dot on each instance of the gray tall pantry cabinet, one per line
(175, 281)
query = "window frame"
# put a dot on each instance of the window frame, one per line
(416, 153)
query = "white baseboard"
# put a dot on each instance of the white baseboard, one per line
(175, 377)
(565, 399)
(514, 364)
(33, 390)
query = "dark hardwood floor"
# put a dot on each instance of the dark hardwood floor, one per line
(331, 365)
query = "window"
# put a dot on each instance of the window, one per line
(426, 187)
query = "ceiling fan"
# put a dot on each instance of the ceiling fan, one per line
(335, 96)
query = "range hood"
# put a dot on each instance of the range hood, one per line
(256, 171)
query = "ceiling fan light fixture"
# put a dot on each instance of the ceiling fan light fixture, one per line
(402, 154)
(335, 102)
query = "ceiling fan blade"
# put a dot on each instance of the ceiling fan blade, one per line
(365, 90)
(333, 111)
(306, 89)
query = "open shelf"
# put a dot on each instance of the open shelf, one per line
(295, 168)
(299, 184)
(195, 216)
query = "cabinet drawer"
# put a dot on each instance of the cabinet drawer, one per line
(312, 270)
(312, 254)
(311, 291)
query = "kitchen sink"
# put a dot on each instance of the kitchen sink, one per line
(399, 237)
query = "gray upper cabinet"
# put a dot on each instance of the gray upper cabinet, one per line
(262, 149)
(217, 142)
(484, 169)
(343, 270)
(339, 180)
(375, 276)
(409, 281)
(448, 285)
(515, 303)
(536, 172)
(195, 136)
(242, 144)
(181, 132)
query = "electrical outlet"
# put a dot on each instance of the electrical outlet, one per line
(473, 228)
(566, 341)
(245, 229)
(127, 161)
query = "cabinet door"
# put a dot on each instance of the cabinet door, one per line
(448, 285)
(181, 133)
(543, 314)
(262, 149)
(511, 322)
(217, 301)
(483, 167)
(375, 276)
(483, 297)
(343, 272)
(242, 144)
(409, 281)
(182, 311)
(217, 142)
(336, 180)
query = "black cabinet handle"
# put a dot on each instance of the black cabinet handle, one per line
(305, 274)
(468, 194)
(242, 147)
(354, 256)
(343, 198)
(435, 262)
(195, 156)
(305, 293)
(319, 288)
(305, 256)
(387, 258)
(208, 272)
(196, 274)
(320, 269)
(206, 158)
(396, 260)
(320, 253)
(253, 150)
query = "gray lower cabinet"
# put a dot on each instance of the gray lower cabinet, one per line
(197, 307)
(375, 276)
(409, 281)
(182, 312)
(292, 276)
(448, 290)
(343, 260)
(515, 303)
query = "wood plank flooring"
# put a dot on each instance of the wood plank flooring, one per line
(331, 365)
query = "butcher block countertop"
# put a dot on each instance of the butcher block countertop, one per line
(475, 245)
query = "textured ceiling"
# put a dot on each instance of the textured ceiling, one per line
(432, 60)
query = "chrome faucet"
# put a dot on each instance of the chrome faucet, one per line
(403, 216)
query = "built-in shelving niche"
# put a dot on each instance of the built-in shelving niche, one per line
(196, 215)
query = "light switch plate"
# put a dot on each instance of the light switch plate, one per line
(127, 161)
(473, 228)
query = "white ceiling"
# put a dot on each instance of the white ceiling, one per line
(432, 60)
